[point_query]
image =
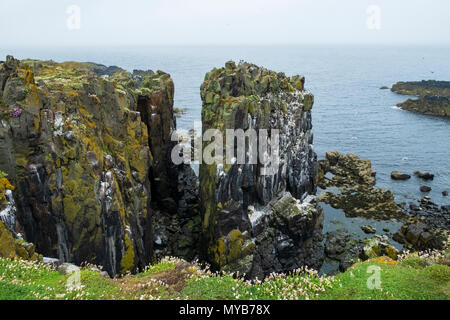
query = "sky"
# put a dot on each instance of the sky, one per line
(223, 22)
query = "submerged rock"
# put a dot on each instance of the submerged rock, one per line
(425, 189)
(254, 222)
(368, 229)
(424, 175)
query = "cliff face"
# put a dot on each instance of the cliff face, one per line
(81, 143)
(88, 150)
(254, 223)
(12, 246)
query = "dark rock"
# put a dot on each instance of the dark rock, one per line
(396, 175)
(384, 88)
(424, 175)
(419, 235)
(278, 211)
(425, 189)
(445, 193)
(340, 246)
(94, 181)
(336, 242)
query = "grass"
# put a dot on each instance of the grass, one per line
(408, 280)
(26, 280)
(423, 276)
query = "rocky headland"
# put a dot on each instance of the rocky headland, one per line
(433, 97)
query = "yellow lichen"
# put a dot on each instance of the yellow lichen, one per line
(127, 262)
(4, 185)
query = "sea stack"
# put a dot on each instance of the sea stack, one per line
(253, 223)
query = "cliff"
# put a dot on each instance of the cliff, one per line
(88, 149)
(85, 145)
(255, 223)
(12, 246)
(433, 97)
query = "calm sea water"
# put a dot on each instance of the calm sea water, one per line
(351, 114)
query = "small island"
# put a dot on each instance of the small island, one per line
(433, 97)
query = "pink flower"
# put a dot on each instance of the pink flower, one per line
(16, 112)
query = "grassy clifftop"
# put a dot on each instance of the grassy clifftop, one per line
(414, 276)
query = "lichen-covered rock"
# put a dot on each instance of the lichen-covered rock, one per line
(418, 234)
(81, 143)
(357, 195)
(236, 198)
(433, 97)
(341, 247)
(16, 248)
(347, 171)
(176, 218)
(430, 105)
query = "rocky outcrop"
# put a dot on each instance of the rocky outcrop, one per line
(85, 145)
(355, 180)
(256, 223)
(423, 88)
(428, 226)
(433, 97)
(341, 247)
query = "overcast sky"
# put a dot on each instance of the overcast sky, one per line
(175, 22)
